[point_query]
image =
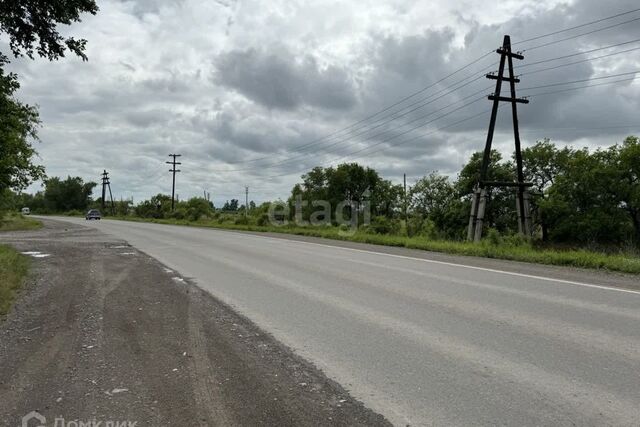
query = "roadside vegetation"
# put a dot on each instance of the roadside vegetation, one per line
(13, 270)
(14, 221)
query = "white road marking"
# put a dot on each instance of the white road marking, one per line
(36, 254)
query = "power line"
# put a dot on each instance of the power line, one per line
(580, 35)
(581, 80)
(579, 62)
(284, 161)
(577, 26)
(424, 89)
(364, 120)
(395, 114)
(576, 54)
(581, 87)
(287, 160)
(350, 155)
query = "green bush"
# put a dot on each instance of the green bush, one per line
(263, 220)
(178, 214)
(516, 240)
(242, 220)
(384, 225)
(414, 226)
(493, 237)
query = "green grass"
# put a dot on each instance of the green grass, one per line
(13, 222)
(626, 262)
(13, 269)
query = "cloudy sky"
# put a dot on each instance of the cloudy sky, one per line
(257, 92)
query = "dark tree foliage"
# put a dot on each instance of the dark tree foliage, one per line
(32, 26)
(18, 126)
(231, 206)
(159, 206)
(67, 195)
(543, 162)
(347, 184)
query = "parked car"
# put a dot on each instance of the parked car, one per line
(25, 211)
(93, 214)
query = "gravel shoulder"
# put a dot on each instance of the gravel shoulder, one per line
(103, 332)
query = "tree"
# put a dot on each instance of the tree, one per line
(231, 206)
(197, 208)
(71, 194)
(350, 184)
(32, 25)
(18, 126)
(584, 204)
(542, 163)
(626, 166)
(159, 206)
(431, 195)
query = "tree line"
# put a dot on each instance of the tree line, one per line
(578, 197)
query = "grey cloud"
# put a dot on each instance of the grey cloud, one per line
(282, 81)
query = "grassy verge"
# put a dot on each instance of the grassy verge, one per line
(13, 270)
(621, 262)
(13, 222)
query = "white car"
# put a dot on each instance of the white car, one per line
(26, 211)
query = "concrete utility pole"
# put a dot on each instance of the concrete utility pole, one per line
(106, 184)
(173, 170)
(105, 180)
(479, 201)
(246, 201)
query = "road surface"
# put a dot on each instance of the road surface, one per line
(422, 341)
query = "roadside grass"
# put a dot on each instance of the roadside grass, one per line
(623, 261)
(14, 221)
(13, 270)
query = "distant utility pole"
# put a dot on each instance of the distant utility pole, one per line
(106, 183)
(105, 180)
(405, 197)
(479, 201)
(173, 170)
(246, 201)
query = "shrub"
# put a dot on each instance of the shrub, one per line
(414, 226)
(242, 220)
(263, 220)
(516, 240)
(493, 237)
(179, 213)
(384, 225)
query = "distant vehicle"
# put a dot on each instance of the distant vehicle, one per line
(93, 214)
(26, 211)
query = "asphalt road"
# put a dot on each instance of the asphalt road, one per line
(422, 341)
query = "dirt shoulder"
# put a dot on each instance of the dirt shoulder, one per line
(103, 332)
